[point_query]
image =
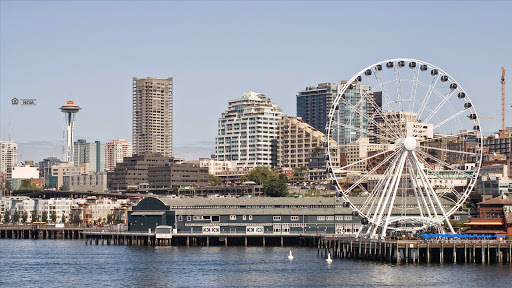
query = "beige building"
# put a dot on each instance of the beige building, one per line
(68, 169)
(152, 116)
(359, 149)
(115, 151)
(301, 145)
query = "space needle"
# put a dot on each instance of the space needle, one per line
(70, 109)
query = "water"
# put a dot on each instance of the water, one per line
(66, 263)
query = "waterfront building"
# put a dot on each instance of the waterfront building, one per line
(254, 215)
(314, 104)
(91, 153)
(91, 181)
(115, 151)
(300, 143)
(95, 210)
(133, 171)
(17, 174)
(8, 155)
(152, 115)
(494, 217)
(247, 132)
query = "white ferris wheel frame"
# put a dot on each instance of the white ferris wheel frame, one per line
(376, 222)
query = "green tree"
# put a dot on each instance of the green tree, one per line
(16, 216)
(34, 215)
(215, 180)
(63, 218)
(7, 216)
(44, 216)
(8, 186)
(118, 219)
(275, 185)
(76, 219)
(109, 218)
(53, 216)
(25, 185)
(24, 216)
(300, 174)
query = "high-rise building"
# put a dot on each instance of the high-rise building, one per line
(152, 115)
(115, 151)
(8, 155)
(357, 105)
(299, 142)
(352, 114)
(314, 104)
(247, 134)
(91, 153)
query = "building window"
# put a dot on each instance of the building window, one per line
(189, 218)
(232, 217)
(320, 218)
(329, 218)
(216, 218)
(244, 217)
(294, 218)
(250, 217)
(276, 218)
(197, 218)
(347, 218)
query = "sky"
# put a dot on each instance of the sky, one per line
(89, 51)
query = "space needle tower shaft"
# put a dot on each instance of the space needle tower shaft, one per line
(70, 109)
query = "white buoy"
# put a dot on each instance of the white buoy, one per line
(290, 257)
(329, 260)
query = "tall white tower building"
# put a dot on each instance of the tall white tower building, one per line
(70, 109)
(152, 115)
(248, 131)
(8, 155)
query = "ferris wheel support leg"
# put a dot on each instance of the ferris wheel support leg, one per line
(395, 189)
(386, 193)
(432, 191)
(373, 228)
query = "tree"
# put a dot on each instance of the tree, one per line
(109, 218)
(300, 173)
(44, 216)
(7, 216)
(53, 216)
(24, 216)
(26, 185)
(275, 185)
(215, 180)
(63, 218)
(16, 216)
(34, 215)
(118, 219)
(8, 186)
(76, 219)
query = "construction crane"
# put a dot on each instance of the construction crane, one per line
(503, 124)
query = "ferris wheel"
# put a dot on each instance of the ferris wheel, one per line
(410, 144)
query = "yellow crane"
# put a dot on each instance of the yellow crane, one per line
(503, 124)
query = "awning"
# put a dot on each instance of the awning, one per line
(485, 223)
(148, 213)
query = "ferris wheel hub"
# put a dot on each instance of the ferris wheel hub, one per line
(410, 143)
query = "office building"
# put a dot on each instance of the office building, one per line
(314, 104)
(247, 132)
(90, 153)
(152, 116)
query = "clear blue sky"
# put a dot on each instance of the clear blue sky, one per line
(215, 51)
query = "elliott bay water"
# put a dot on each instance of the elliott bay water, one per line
(72, 263)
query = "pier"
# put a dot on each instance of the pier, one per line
(41, 232)
(417, 251)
